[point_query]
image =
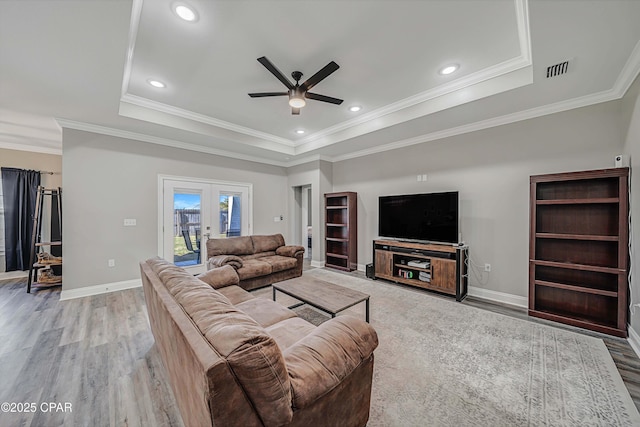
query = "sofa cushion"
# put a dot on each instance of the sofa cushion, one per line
(242, 245)
(267, 243)
(220, 277)
(222, 260)
(289, 331)
(235, 294)
(264, 311)
(253, 268)
(291, 250)
(258, 255)
(280, 263)
(321, 360)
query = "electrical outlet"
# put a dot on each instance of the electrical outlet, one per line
(111, 263)
(487, 267)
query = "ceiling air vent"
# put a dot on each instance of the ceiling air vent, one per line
(558, 69)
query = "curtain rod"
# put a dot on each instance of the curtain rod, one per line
(49, 173)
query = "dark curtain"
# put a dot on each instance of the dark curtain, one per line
(19, 190)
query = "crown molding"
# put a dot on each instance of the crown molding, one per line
(134, 25)
(30, 148)
(524, 31)
(201, 118)
(118, 133)
(629, 72)
(309, 159)
(532, 113)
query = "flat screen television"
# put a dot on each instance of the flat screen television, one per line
(431, 217)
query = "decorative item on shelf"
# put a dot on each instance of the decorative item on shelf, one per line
(48, 277)
(418, 263)
(45, 258)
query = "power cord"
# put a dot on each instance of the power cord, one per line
(483, 277)
(630, 275)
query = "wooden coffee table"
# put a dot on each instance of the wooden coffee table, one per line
(325, 296)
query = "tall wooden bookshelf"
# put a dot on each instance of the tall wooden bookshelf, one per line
(341, 230)
(578, 248)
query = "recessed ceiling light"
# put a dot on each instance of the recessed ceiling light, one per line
(156, 83)
(300, 131)
(355, 108)
(448, 69)
(185, 12)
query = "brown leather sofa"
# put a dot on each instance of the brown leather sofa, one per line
(237, 360)
(259, 260)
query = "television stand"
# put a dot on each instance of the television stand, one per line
(439, 268)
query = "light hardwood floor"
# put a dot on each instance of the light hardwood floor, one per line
(97, 354)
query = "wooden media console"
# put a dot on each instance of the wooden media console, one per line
(439, 268)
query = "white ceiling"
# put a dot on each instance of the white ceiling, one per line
(86, 64)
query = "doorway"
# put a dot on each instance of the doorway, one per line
(193, 211)
(302, 197)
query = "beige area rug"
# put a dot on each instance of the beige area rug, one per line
(442, 363)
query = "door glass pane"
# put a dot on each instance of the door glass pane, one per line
(230, 215)
(186, 228)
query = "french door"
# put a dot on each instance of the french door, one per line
(193, 211)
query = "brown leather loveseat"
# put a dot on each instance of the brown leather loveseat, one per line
(237, 360)
(259, 260)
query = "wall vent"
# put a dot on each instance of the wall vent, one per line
(558, 69)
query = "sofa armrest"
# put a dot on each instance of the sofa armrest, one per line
(291, 251)
(320, 361)
(222, 260)
(220, 277)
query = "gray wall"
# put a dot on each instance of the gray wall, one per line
(491, 170)
(107, 179)
(632, 148)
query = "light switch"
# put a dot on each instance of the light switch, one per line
(129, 222)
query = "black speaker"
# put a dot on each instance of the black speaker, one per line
(370, 271)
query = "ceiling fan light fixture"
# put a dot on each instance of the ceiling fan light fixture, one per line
(296, 102)
(185, 12)
(449, 69)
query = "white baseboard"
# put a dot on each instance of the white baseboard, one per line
(634, 340)
(496, 296)
(317, 264)
(362, 267)
(14, 275)
(99, 289)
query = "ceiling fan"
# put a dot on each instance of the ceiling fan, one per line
(298, 92)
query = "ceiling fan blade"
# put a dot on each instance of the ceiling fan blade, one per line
(272, 68)
(263, 94)
(319, 76)
(295, 111)
(323, 98)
